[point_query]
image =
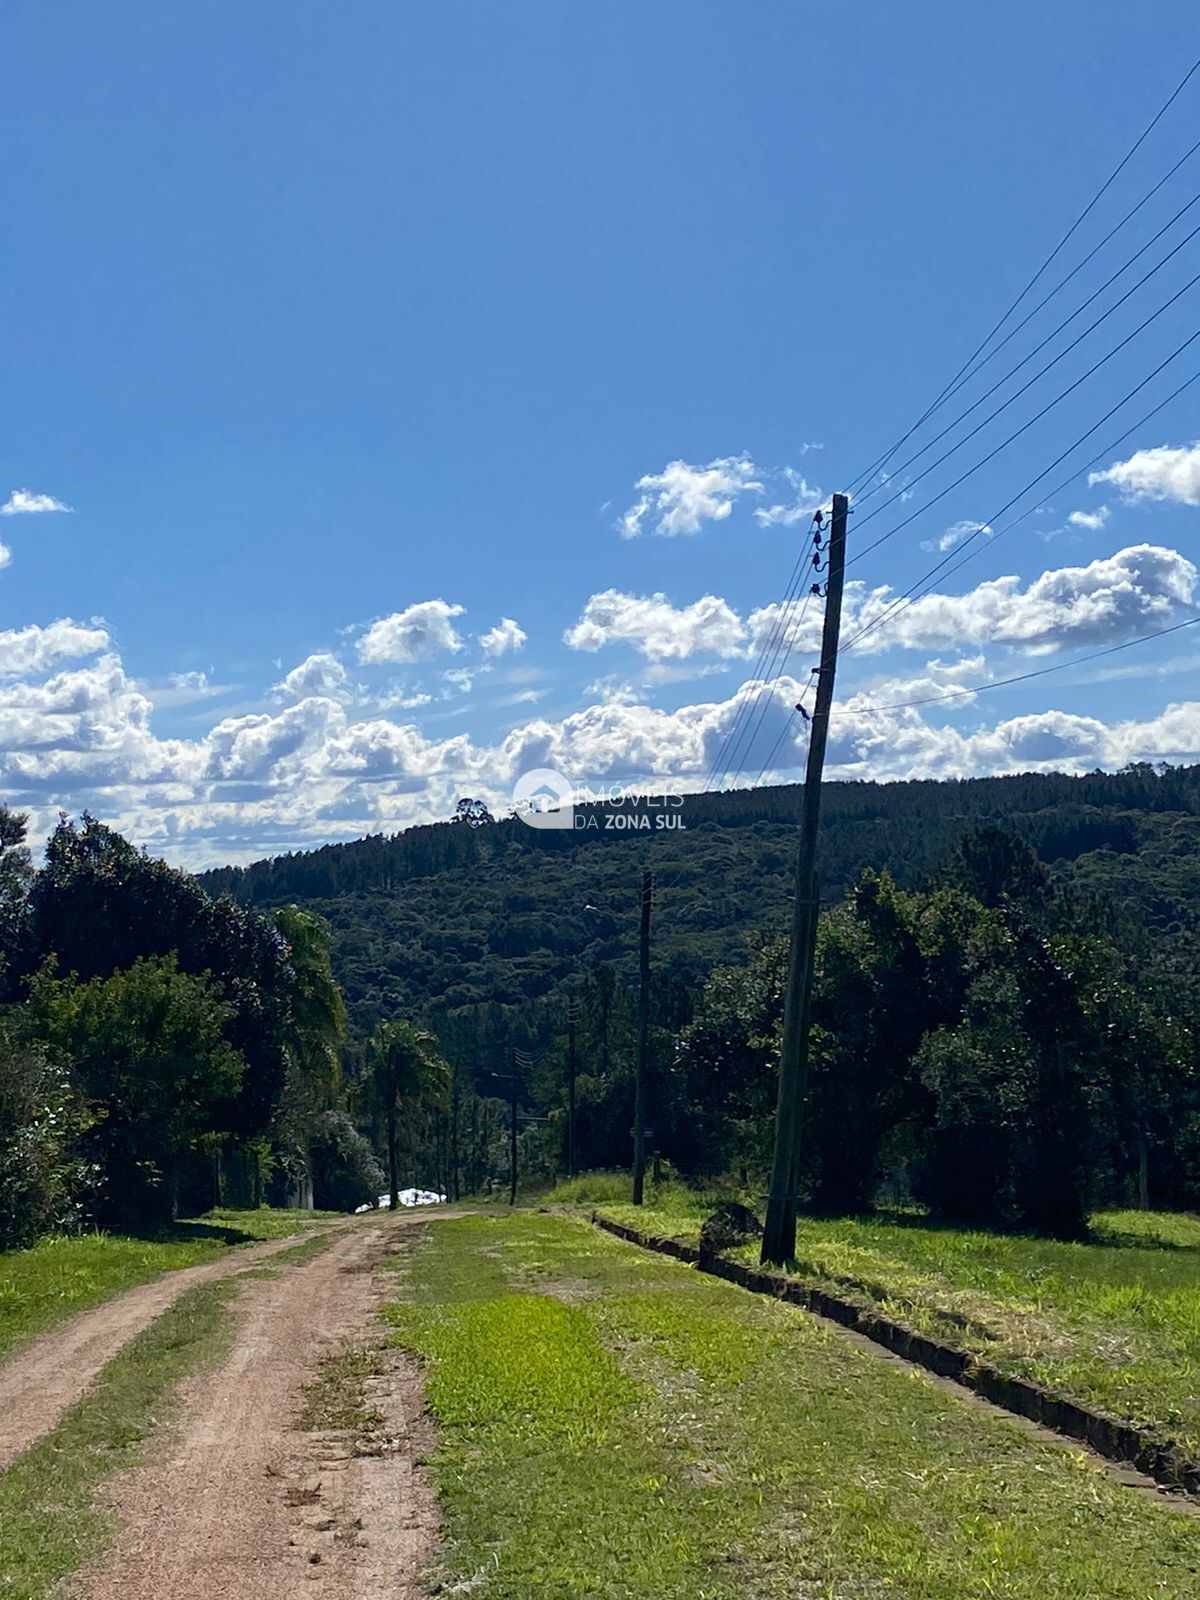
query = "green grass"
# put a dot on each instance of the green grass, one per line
(1114, 1321)
(614, 1426)
(49, 1520)
(69, 1273)
(610, 1191)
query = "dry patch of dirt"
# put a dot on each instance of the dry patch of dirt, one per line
(242, 1503)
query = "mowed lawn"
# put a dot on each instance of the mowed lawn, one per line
(614, 1424)
(68, 1273)
(1114, 1322)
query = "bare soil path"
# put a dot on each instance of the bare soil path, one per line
(239, 1502)
(45, 1378)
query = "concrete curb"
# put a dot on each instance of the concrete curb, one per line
(1142, 1448)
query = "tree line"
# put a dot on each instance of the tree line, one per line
(163, 1050)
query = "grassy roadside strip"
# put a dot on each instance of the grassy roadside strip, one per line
(50, 1523)
(67, 1274)
(615, 1425)
(1113, 1323)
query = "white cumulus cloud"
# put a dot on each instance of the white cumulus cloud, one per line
(26, 651)
(506, 635)
(414, 634)
(1163, 473)
(1116, 597)
(656, 628)
(318, 674)
(1091, 520)
(23, 503)
(682, 497)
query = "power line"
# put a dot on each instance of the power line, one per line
(1076, 270)
(734, 736)
(1024, 677)
(788, 637)
(768, 656)
(769, 763)
(995, 683)
(762, 656)
(955, 564)
(910, 595)
(1016, 434)
(1012, 371)
(995, 329)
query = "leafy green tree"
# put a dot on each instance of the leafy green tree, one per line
(474, 813)
(44, 1184)
(1024, 1085)
(98, 905)
(346, 1172)
(726, 1061)
(147, 1049)
(16, 876)
(872, 1005)
(410, 1075)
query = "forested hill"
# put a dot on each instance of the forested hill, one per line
(450, 915)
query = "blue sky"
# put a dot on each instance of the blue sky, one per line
(327, 321)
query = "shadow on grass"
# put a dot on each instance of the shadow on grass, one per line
(1112, 1239)
(1105, 1238)
(185, 1231)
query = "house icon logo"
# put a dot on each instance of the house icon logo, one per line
(543, 798)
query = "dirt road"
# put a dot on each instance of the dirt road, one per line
(238, 1502)
(41, 1382)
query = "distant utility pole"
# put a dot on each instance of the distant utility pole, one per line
(512, 1127)
(454, 1164)
(572, 1022)
(639, 1091)
(515, 1058)
(779, 1233)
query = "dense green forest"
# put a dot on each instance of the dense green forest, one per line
(445, 917)
(1005, 1017)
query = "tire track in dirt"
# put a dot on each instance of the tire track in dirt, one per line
(238, 1502)
(45, 1378)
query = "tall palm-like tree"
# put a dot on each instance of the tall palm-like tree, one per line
(409, 1073)
(316, 1030)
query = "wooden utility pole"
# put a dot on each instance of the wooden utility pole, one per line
(639, 1090)
(452, 1192)
(512, 1127)
(779, 1233)
(393, 1155)
(572, 1022)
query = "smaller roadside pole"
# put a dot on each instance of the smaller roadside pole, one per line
(512, 1130)
(572, 1025)
(516, 1059)
(643, 1044)
(779, 1230)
